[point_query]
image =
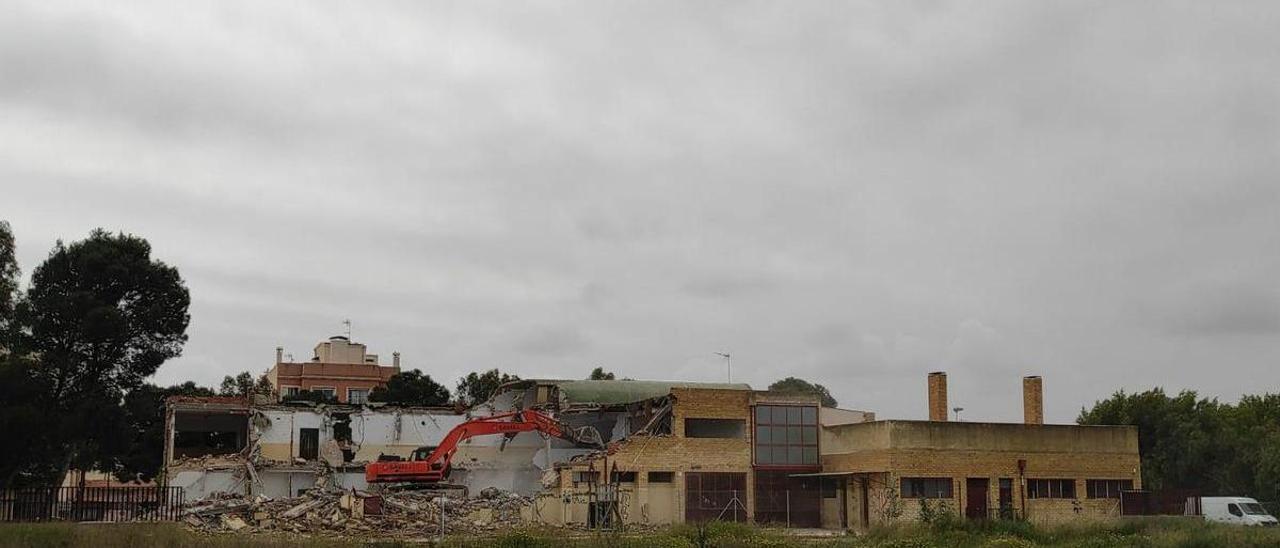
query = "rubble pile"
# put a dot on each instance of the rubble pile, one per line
(359, 513)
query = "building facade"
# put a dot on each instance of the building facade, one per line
(886, 471)
(677, 452)
(730, 454)
(340, 369)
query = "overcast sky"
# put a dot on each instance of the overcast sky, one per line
(856, 193)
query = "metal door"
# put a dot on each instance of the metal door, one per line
(976, 498)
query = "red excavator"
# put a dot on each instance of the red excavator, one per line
(430, 465)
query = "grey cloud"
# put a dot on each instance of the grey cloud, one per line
(553, 342)
(857, 193)
(729, 287)
(1209, 309)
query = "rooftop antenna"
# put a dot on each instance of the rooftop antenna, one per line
(347, 322)
(728, 363)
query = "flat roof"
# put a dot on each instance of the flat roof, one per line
(615, 392)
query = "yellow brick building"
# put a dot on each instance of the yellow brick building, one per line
(737, 454)
(892, 470)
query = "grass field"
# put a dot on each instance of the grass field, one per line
(1147, 533)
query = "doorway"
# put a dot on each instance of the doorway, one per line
(976, 498)
(1006, 498)
(309, 443)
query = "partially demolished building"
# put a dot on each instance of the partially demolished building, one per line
(675, 452)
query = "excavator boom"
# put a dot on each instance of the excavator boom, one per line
(435, 467)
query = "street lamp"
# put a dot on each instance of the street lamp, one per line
(728, 363)
(957, 411)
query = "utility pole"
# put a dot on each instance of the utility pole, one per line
(728, 363)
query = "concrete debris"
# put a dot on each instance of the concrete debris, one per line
(360, 513)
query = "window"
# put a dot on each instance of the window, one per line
(328, 392)
(1253, 509)
(786, 435)
(1235, 510)
(291, 391)
(926, 488)
(661, 477)
(624, 477)
(1051, 489)
(830, 488)
(357, 395)
(714, 428)
(586, 476)
(1107, 489)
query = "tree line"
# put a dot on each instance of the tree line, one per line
(1201, 444)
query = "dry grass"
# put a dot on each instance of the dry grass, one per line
(1175, 533)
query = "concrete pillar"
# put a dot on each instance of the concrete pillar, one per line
(279, 354)
(1033, 399)
(395, 360)
(938, 396)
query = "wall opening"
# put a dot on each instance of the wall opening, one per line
(309, 443)
(715, 496)
(788, 501)
(201, 434)
(715, 428)
(342, 435)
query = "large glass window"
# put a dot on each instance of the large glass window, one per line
(786, 435)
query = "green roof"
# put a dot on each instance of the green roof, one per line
(621, 392)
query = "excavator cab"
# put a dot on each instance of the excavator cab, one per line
(422, 453)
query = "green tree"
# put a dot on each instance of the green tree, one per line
(793, 385)
(22, 393)
(240, 385)
(244, 385)
(102, 317)
(263, 386)
(1183, 439)
(8, 287)
(411, 388)
(477, 387)
(22, 418)
(599, 374)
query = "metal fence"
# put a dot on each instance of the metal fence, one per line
(715, 505)
(92, 504)
(1170, 502)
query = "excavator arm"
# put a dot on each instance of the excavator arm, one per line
(435, 467)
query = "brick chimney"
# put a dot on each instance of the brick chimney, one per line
(1033, 400)
(938, 396)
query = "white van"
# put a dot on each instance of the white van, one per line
(1236, 510)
